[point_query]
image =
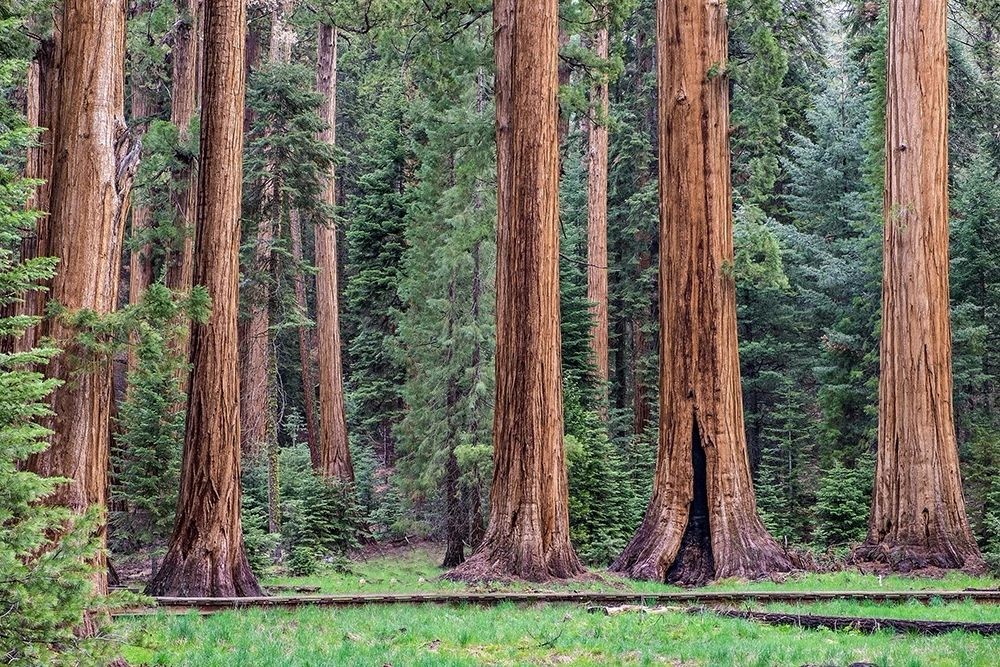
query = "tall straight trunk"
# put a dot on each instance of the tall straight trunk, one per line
(206, 556)
(140, 273)
(918, 514)
(184, 94)
(88, 198)
(256, 418)
(702, 520)
(305, 340)
(597, 212)
(334, 455)
(455, 538)
(473, 490)
(640, 342)
(42, 111)
(528, 534)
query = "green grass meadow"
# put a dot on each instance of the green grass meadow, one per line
(511, 634)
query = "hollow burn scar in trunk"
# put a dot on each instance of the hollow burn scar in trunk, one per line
(694, 563)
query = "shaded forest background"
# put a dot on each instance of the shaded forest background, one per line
(415, 215)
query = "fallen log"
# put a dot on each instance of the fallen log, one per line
(858, 624)
(609, 598)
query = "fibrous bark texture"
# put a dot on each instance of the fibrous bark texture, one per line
(702, 520)
(528, 533)
(87, 202)
(184, 86)
(206, 556)
(185, 55)
(918, 512)
(597, 213)
(43, 106)
(334, 455)
(141, 258)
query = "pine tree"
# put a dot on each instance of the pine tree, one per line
(447, 323)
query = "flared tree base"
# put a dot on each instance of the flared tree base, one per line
(907, 558)
(504, 563)
(202, 572)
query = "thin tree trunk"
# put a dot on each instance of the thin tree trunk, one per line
(528, 534)
(597, 216)
(184, 95)
(88, 198)
(565, 74)
(455, 550)
(255, 416)
(918, 513)
(43, 107)
(702, 520)
(476, 523)
(140, 273)
(305, 342)
(206, 556)
(335, 457)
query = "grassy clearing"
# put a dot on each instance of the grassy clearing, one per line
(549, 635)
(417, 569)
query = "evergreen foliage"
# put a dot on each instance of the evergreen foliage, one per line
(46, 551)
(376, 238)
(146, 456)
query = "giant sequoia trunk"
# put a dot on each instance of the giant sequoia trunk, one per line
(918, 513)
(702, 520)
(597, 212)
(206, 556)
(87, 199)
(528, 534)
(334, 456)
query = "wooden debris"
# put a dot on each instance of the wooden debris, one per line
(858, 624)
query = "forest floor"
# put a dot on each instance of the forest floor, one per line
(567, 634)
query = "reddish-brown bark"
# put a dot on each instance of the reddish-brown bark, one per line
(140, 273)
(305, 342)
(206, 555)
(88, 197)
(918, 512)
(184, 92)
(597, 212)
(42, 111)
(334, 455)
(528, 533)
(702, 520)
